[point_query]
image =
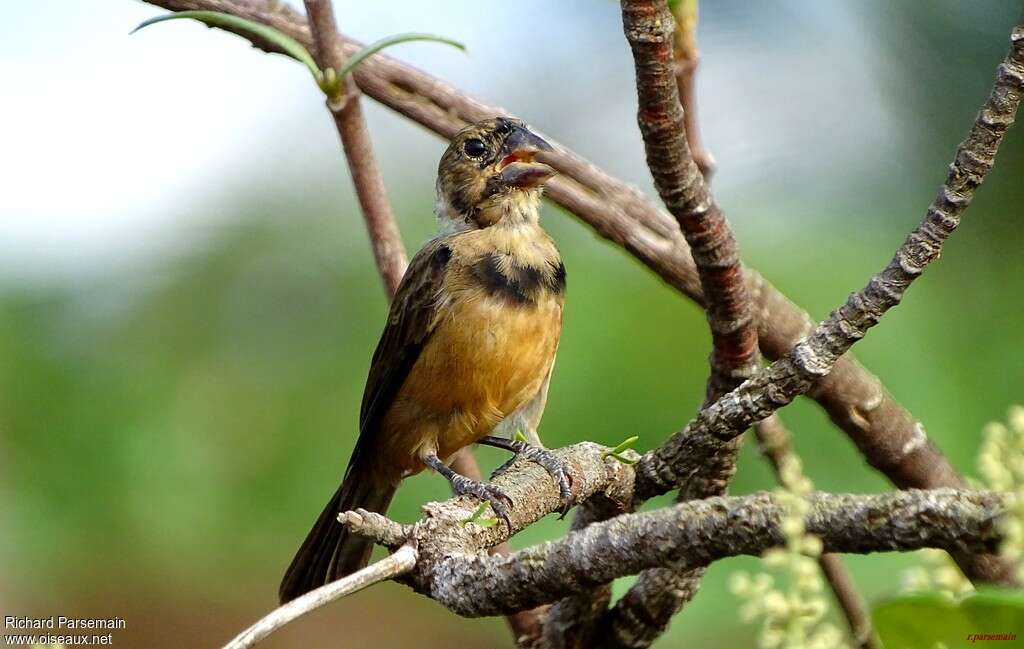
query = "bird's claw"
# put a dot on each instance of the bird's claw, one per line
(555, 467)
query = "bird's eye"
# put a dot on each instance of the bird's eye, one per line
(474, 148)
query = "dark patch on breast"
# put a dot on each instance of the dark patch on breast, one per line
(441, 256)
(557, 280)
(518, 284)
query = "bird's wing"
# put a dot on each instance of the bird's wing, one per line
(413, 317)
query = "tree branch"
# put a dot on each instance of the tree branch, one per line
(644, 613)
(444, 559)
(446, 529)
(347, 112)
(650, 28)
(687, 59)
(697, 532)
(525, 625)
(395, 565)
(570, 623)
(890, 438)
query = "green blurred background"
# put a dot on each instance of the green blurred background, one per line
(188, 303)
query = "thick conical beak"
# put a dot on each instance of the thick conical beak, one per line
(521, 140)
(517, 167)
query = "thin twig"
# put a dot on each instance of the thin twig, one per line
(347, 111)
(394, 565)
(774, 442)
(687, 60)
(891, 438)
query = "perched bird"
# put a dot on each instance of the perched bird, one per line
(467, 351)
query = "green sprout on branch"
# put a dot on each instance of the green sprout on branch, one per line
(327, 80)
(478, 517)
(622, 446)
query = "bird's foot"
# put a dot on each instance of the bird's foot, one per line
(555, 467)
(463, 486)
(488, 493)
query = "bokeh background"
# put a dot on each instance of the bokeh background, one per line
(188, 303)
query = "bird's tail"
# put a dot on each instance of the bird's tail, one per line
(330, 551)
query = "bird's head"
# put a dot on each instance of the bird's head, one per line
(489, 175)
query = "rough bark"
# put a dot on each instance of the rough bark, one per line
(696, 533)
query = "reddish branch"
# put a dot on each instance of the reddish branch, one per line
(649, 27)
(347, 111)
(687, 58)
(815, 356)
(643, 614)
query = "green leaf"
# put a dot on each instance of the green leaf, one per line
(519, 437)
(924, 620)
(285, 43)
(622, 446)
(377, 46)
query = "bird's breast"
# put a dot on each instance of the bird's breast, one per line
(489, 354)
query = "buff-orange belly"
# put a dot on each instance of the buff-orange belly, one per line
(483, 361)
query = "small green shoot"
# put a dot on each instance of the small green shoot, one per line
(388, 41)
(622, 446)
(519, 437)
(478, 517)
(327, 80)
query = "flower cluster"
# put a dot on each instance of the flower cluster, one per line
(1001, 464)
(793, 616)
(941, 575)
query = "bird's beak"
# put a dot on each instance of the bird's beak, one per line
(517, 167)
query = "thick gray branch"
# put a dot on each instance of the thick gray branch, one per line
(695, 533)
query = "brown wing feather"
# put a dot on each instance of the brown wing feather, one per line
(329, 550)
(411, 320)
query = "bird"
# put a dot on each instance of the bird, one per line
(467, 350)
